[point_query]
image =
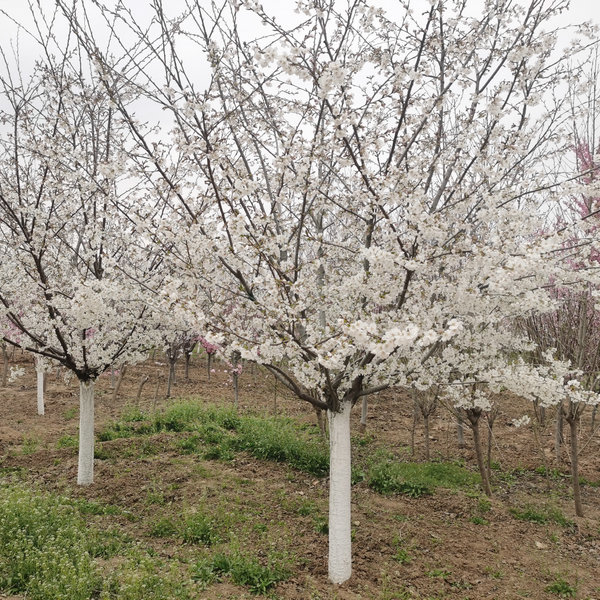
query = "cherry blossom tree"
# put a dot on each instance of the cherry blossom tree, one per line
(359, 189)
(572, 330)
(74, 282)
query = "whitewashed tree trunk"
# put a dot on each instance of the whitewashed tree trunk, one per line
(39, 368)
(85, 470)
(340, 544)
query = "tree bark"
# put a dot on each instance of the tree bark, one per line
(321, 422)
(474, 422)
(119, 382)
(460, 432)
(340, 542)
(188, 358)
(85, 469)
(4, 366)
(208, 361)
(573, 421)
(363, 415)
(426, 428)
(138, 396)
(558, 434)
(413, 428)
(40, 389)
(170, 378)
(156, 389)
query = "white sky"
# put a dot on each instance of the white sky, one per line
(579, 11)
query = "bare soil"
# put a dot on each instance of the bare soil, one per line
(452, 547)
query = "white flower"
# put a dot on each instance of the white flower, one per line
(521, 422)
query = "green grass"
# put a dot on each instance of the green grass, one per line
(67, 441)
(217, 433)
(201, 528)
(243, 570)
(30, 445)
(281, 440)
(540, 515)
(562, 588)
(387, 476)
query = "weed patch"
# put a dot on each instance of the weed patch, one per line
(44, 547)
(417, 479)
(540, 515)
(243, 570)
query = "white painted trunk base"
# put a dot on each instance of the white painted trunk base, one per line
(40, 391)
(340, 544)
(85, 469)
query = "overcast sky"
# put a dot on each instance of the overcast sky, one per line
(580, 11)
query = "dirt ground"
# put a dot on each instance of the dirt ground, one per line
(452, 548)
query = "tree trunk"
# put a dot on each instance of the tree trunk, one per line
(426, 427)
(573, 420)
(4, 366)
(485, 482)
(119, 382)
(460, 432)
(85, 469)
(236, 370)
(558, 434)
(208, 364)
(40, 389)
(488, 460)
(593, 426)
(236, 391)
(188, 358)
(156, 389)
(138, 396)
(340, 543)
(171, 378)
(413, 428)
(321, 422)
(363, 415)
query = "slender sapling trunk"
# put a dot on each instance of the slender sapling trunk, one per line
(460, 432)
(558, 433)
(188, 357)
(4, 366)
(363, 415)
(40, 389)
(426, 428)
(138, 396)
(170, 378)
(119, 382)
(321, 422)
(573, 421)
(473, 416)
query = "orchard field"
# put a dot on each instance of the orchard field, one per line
(188, 502)
(367, 204)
